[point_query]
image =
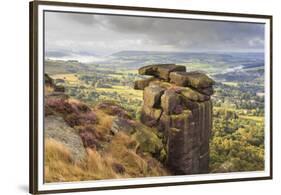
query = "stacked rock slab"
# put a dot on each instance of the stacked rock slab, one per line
(178, 104)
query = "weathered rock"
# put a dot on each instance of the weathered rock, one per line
(179, 130)
(181, 109)
(150, 116)
(121, 124)
(161, 70)
(48, 80)
(194, 95)
(180, 121)
(57, 129)
(160, 83)
(188, 137)
(59, 81)
(152, 95)
(207, 91)
(189, 104)
(164, 124)
(59, 88)
(141, 84)
(191, 79)
(170, 102)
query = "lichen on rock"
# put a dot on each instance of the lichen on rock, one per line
(178, 104)
(191, 79)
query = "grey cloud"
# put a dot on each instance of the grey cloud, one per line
(107, 34)
(56, 54)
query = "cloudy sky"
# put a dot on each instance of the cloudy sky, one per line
(70, 34)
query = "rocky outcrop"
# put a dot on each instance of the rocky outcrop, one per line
(178, 104)
(49, 82)
(56, 128)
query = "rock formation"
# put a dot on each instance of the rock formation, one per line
(49, 82)
(178, 104)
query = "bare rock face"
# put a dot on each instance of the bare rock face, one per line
(170, 102)
(180, 107)
(57, 129)
(152, 95)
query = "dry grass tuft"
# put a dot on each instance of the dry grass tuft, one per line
(58, 163)
(48, 89)
(100, 165)
(59, 166)
(123, 150)
(118, 161)
(56, 151)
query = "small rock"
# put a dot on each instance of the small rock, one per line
(120, 124)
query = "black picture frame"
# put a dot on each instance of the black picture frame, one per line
(33, 97)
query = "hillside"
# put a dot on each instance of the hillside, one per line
(88, 143)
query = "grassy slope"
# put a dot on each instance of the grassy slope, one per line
(113, 156)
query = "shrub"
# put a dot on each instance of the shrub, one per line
(57, 104)
(77, 119)
(113, 109)
(60, 168)
(73, 112)
(89, 138)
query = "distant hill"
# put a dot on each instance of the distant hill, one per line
(208, 62)
(62, 67)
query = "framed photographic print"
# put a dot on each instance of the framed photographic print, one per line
(129, 97)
